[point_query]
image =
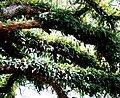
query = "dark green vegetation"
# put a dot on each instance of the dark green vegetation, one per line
(52, 54)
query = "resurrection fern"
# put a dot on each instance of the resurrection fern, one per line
(41, 42)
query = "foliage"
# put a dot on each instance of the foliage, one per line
(47, 48)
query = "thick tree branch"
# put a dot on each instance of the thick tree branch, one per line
(6, 29)
(10, 27)
(17, 9)
(58, 90)
(9, 70)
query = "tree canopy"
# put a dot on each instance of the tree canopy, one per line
(66, 44)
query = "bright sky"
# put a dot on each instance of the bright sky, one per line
(30, 92)
(25, 92)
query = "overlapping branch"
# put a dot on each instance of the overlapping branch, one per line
(96, 80)
(100, 37)
(71, 25)
(65, 52)
(28, 72)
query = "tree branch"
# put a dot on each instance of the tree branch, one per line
(7, 29)
(58, 90)
(16, 26)
(15, 75)
(39, 77)
(63, 53)
(53, 84)
(74, 79)
(9, 70)
(100, 11)
(30, 76)
(9, 85)
(18, 9)
(81, 11)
